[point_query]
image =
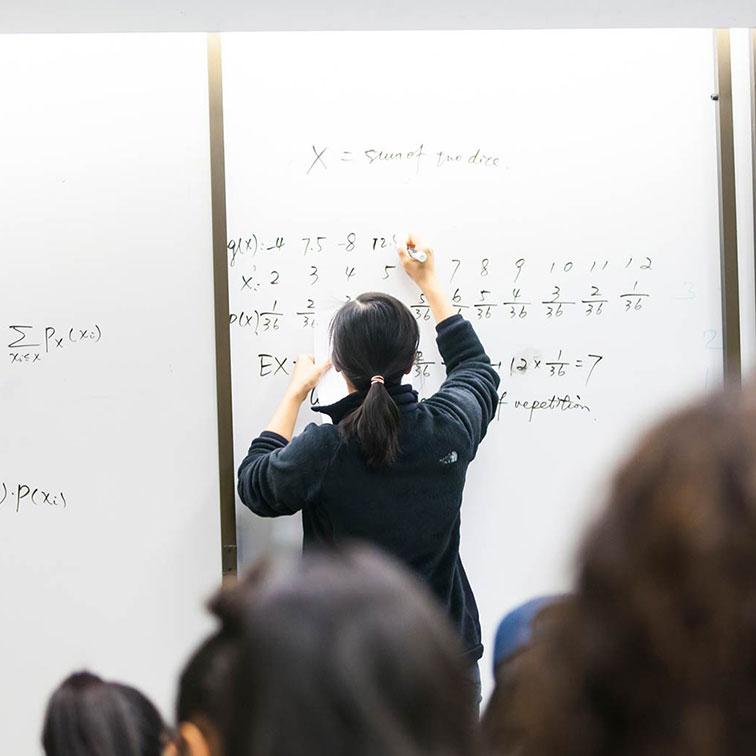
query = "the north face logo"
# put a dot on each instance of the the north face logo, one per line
(449, 459)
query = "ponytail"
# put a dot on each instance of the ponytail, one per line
(374, 337)
(375, 424)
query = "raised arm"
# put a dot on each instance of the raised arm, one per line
(469, 393)
(424, 275)
(305, 378)
(278, 477)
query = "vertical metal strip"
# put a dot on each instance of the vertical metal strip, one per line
(222, 333)
(752, 89)
(727, 211)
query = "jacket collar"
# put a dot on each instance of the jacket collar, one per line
(402, 393)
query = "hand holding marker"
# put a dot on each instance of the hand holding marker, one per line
(418, 261)
(416, 254)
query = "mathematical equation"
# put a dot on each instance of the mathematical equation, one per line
(556, 404)
(556, 366)
(250, 246)
(18, 495)
(29, 344)
(483, 289)
(272, 317)
(274, 245)
(324, 158)
(260, 321)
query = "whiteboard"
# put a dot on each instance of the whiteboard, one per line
(109, 513)
(568, 182)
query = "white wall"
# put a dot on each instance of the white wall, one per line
(241, 15)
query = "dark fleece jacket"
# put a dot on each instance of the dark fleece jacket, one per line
(411, 508)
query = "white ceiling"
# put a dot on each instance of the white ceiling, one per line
(240, 15)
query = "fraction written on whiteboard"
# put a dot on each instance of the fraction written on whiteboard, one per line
(588, 289)
(566, 310)
(270, 364)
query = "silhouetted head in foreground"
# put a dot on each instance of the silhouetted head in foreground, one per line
(87, 716)
(201, 706)
(342, 655)
(374, 335)
(519, 631)
(657, 654)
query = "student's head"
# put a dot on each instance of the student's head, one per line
(658, 655)
(200, 707)
(87, 716)
(374, 335)
(342, 655)
(521, 625)
(518, 633)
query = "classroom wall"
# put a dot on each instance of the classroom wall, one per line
(249, 15)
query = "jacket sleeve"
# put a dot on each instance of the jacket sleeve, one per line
(278, 477)
(469, 393)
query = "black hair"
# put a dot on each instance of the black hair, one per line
(374, 334)
(87, 716)
(202, 683)
(343, 654)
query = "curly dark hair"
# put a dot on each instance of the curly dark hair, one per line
(657, 653)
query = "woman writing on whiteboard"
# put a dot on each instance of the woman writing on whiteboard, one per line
(390, 470)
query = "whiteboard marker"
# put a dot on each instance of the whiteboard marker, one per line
(416, 254)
